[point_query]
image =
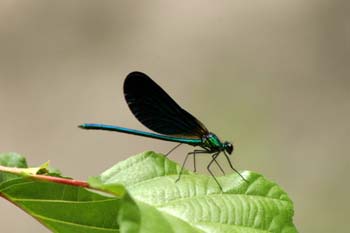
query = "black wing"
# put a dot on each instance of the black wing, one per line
(155, 109)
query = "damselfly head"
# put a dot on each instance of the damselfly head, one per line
(228, 147)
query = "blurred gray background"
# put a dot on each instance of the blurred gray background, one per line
(271, 76)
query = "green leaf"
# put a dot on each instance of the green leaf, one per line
(151, 200)
(12, 159)
(197, 201)
(65, 208)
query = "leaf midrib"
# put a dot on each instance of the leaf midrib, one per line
(130, 187)
(59, 201)
(213, 195)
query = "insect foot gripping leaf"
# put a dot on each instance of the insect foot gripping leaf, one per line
(196, 203)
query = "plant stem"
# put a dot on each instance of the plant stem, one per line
(23, 172)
